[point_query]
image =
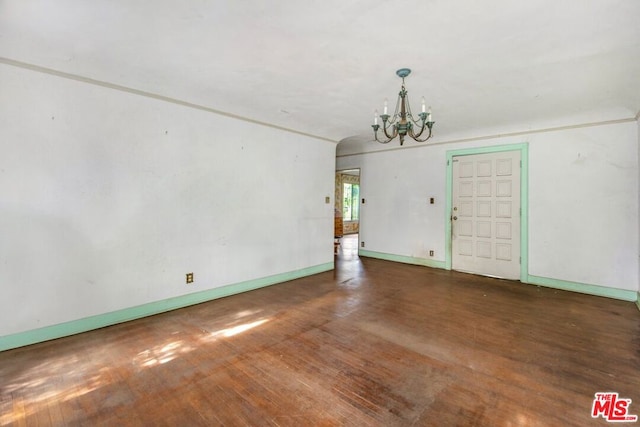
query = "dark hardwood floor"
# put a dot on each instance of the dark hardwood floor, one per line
(371, 343)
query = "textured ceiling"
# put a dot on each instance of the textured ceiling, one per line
(322, 67)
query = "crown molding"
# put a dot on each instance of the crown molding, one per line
(146, 94)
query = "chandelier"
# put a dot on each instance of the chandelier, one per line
(402, 122)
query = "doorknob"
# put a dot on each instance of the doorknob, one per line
(455, 217)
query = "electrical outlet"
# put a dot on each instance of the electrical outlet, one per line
(431, 253)
(189, 278)
(362, 244)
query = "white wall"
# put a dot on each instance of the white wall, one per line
(583, 201)
(582, 215)
(108, 198)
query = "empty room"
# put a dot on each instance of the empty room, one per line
(319, 213)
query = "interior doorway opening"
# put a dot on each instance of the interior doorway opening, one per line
(347, 207)
(348, 250)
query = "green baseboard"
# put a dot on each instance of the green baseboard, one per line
(402, 259)
(583, 288)
(602, 291)
(73, 327)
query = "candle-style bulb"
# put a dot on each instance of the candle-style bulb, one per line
(375, 117)
(385, 106)
(429, 117)
(423, 104)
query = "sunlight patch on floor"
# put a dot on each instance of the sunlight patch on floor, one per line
(64, 378)
(161, 353)
(245, 313)
(55, 381)
(235, 330)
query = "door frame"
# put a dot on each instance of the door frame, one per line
(359, 169)
(524, 200)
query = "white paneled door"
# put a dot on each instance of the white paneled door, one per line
(485, 217)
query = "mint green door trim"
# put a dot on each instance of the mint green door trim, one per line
(108, 319)
(524, 199)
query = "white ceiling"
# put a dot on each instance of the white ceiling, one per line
(322, 67)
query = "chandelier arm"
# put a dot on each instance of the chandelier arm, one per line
(383, 142)
(417, 137)
(421, 126)
(412, 134)
(395, 130)
(375, 135)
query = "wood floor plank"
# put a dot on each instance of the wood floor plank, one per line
(371, 343)
(55, 414)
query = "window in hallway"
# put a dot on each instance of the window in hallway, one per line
(350, 205)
